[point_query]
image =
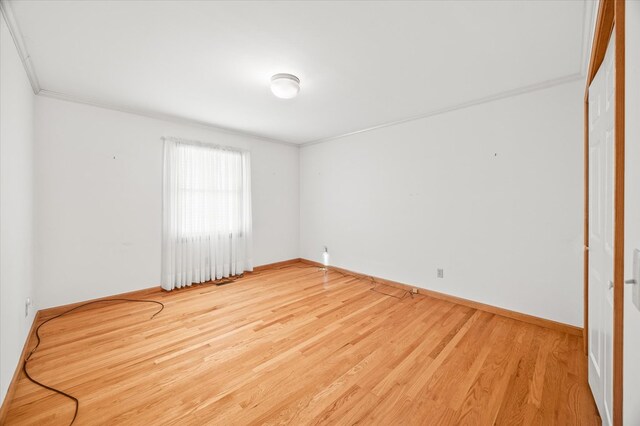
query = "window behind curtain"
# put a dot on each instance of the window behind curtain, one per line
(206, 213)
(213, 201)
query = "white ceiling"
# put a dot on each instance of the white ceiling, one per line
(361, 64)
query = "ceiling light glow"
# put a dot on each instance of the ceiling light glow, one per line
(285, 86)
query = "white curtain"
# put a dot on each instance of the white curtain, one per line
(206, 213)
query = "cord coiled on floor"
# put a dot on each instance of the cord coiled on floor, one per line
(38, 338)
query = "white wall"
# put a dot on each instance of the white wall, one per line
(491, 193)
(631, 403)
(98, 188)
(16, 206)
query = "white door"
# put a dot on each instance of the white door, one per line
(601, 209)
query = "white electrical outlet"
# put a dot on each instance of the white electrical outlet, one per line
(440, 273)
(27, 305)
(635, 293)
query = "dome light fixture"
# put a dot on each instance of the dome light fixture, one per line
(285, 86)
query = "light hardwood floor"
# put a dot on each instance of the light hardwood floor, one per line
(300, 346)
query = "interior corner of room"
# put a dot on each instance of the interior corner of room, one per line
(295, 206)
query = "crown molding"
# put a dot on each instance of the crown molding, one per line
(506, 94)
(16, 34)
(5, 7)
(161, 116)
(18, 40)
(186, 121)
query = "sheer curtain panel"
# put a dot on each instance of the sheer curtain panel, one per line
(206, 213)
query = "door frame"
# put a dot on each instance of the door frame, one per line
(611, 18)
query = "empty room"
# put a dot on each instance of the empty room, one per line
(319, 212)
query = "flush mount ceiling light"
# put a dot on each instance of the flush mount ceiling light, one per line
(285, 86)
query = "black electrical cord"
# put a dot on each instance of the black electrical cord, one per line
(28, 357)
(404, 294)
(369, 278)
(224, 281)
(374, 283)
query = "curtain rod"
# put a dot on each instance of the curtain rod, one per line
(200, 143)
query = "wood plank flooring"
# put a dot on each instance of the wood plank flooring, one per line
(300, 346)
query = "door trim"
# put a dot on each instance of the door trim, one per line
(611, 17)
